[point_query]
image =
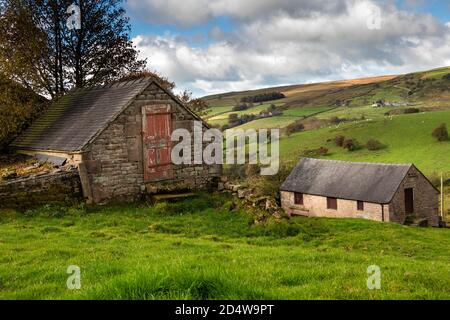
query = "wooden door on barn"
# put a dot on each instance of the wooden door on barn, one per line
(409, 201)
(157, 131)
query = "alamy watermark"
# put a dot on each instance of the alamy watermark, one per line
(374, 20)
(374, 279)
(74, 21)
(250, 146)
(74, 280)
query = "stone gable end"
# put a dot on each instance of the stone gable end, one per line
(426, 199)
(114, 160)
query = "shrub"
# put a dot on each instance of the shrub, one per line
(350, 144)
(374, 144)
(240, 107)
(315, 152)
(269, 186)
(336, 120)
(446, 77)
(233, 120)
(411, 110)
(441, 133)
(402, 111)
(18, 108)
(339, 141)
(252, 170)
(297, 126)
(269, 96)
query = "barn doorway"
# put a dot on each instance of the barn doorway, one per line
(409, 201)
(157, 131)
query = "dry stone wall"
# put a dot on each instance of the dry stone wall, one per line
(61, 186)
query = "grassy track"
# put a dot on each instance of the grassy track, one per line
(199, 249)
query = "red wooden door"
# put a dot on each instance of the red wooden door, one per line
(157, 125)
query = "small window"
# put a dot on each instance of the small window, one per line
(332, 203)
(360, 205)
(298, 198)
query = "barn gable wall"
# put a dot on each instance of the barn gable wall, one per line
(426, 199)
(114, 161)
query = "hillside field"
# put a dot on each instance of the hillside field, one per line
(203, 249)
(406, 138)
(426, 90)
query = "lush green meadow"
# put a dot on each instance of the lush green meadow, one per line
(203, 249)
(406, 139)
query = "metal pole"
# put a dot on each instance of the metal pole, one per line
(442, 197)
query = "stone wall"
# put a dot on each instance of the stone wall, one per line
(426, 200)
(63, 187)
(316, 206)
(114, 161)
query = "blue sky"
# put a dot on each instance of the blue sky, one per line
(438, 8)
(211, 46)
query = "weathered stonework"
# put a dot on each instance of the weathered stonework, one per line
(63, 187)
(117, 149)
(114, 160)
(316, 206)
(426, 201)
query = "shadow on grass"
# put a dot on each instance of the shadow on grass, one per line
(184, 284)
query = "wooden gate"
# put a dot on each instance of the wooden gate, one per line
(157, 131)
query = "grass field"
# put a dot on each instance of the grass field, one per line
(222, 117)
(284, 120)
(421, 89)
(407, 139)
(200, 249)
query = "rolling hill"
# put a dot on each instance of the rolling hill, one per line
(410, 107)
(428, 89)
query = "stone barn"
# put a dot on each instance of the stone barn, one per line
(119, 138)
(381, 192)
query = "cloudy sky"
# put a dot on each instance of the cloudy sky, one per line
(212, 46)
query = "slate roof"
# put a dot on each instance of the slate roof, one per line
(368, 182)
(75, 119)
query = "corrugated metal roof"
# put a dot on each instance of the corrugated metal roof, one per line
(71, 122)
(369, 182)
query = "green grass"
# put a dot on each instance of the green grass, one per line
(199, 249)
(407, 138)
(437, 73)
(268, 123)
(304, 112)
(222, 118)
(288, 117)
(212, 111)
(219, 116)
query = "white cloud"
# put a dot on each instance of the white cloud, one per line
(192, 12)
(280, 45)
